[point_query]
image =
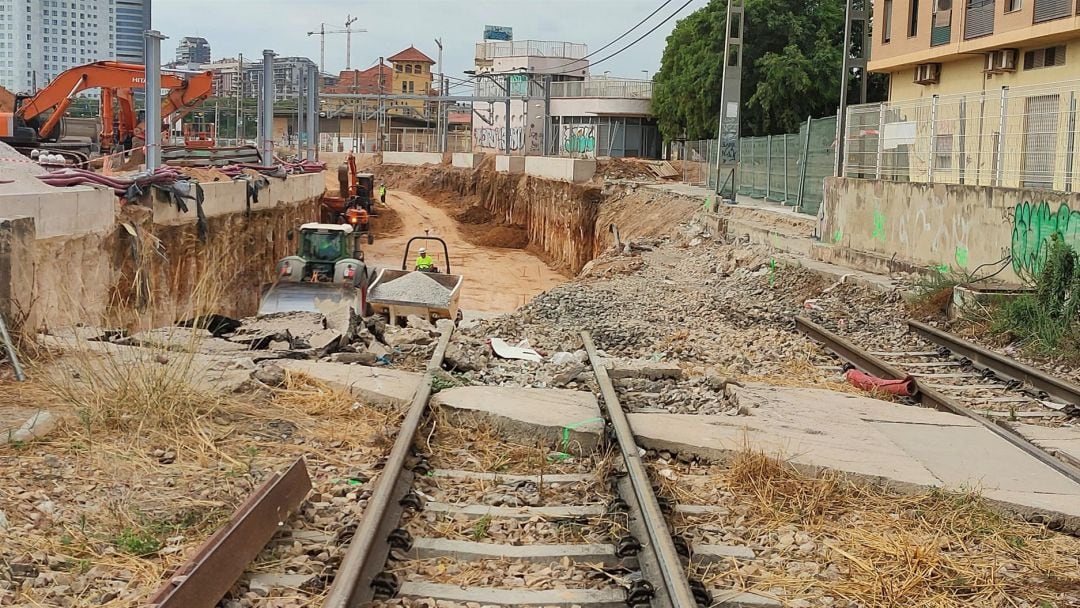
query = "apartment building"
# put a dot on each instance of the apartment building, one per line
(981, 92)
(943, 47)
(193, 49)
(412, 76)
(288, 72)
(42, 38)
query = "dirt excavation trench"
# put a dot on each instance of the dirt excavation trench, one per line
(497, 280)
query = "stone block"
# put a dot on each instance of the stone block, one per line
(465, 160)
(577, 170)
(510, 164)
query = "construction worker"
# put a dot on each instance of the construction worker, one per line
(424, 263)
(382, 193)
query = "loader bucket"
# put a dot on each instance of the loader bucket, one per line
(331, 299)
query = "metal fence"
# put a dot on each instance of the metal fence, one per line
(789, 169)
(396, 140)
(1023, 137)
(696, 160)
(603, 87)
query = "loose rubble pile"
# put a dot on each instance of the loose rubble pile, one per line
(417, 287)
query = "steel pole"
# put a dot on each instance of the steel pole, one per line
(153, 99)
(301, 104)
(239, 95)
(266, 119)
(312, 114)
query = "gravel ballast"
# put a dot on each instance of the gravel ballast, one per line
(416, 287)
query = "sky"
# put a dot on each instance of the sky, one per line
(249, 26)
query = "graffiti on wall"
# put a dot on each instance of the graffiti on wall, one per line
(1034, 227)
(495, 138)
(579, 139)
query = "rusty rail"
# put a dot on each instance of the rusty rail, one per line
(930, 397)
(369, 548)
(219, 562)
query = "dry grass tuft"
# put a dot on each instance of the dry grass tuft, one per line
(932, 549)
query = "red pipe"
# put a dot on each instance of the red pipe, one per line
(904, 387)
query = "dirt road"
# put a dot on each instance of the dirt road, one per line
(496, 280)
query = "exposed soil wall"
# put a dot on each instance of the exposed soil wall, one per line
(141, 274)
(566, 224)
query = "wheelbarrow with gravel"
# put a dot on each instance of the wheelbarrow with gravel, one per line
(397, 294)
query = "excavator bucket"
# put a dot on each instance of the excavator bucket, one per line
(331, 299)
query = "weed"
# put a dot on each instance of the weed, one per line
(933, 290)
(137, 542)
(1046, 321)
(441, 382)
(480, 528)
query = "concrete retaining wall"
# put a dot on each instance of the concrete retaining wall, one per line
(564, 169)
(224, 198)
(63, 211)
(412, 158)
(946, 226)
(17, 236)
(465, 160)
(510, 164)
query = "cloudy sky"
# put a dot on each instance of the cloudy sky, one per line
(249, 26)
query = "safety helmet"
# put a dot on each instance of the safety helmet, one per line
(423, 251)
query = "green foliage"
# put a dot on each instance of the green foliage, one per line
(1047, 319)
(791, 68)
(137, 542)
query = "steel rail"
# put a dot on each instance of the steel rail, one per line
(219, 562)
(369, 548)
(673, 579)
(1003, 366)
(928, 396)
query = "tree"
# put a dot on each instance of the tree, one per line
(791, 68)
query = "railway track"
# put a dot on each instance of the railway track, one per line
(442, 526)
(963, 378)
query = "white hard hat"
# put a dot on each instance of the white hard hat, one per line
(423, 250)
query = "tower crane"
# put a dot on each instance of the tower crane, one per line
(348, 31)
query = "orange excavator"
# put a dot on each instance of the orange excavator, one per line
(30, 125)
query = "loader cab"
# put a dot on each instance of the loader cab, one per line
(322, 249)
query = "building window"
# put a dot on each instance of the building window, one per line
(404, 87)
(1044, 58)
(886, 28)
(1012, 6)
(412, 86)
(913, 18)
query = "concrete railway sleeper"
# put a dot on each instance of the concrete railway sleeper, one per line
(956, 376)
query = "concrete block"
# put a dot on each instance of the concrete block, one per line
(510, 164)
(20, 205)
(577, 170)
(412, 158)
(611, 597)
(721, 553)
(653, 370)
(17, 242)
(375, 386)
(96, 209)
(461, 550)
(546, 513)
(728, 598)
(465, 160)
(569, 420)
(58, 214)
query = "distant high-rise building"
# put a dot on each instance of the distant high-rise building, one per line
(132, 20)
(193, 49)
(42, 38)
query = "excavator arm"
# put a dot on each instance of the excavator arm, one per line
(183, 95)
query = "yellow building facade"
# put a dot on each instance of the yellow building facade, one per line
(981, 92)
(412, 76)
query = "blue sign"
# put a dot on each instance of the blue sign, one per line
(498, 32)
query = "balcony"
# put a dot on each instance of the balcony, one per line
(618, 88)
(486, 51)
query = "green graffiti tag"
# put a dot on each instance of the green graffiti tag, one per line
(962, 257)
(942, 268)
(837, 236)
(1034, 225)
(879, 226)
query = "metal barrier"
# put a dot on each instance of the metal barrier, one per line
(696, 161)
(791, 168)
(1023, 137)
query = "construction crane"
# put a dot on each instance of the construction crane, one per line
(348, 31)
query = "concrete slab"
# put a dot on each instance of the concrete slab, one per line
(1065, 439)
(374, 385)
(614, 597)
(577, 170)
(570, 419)
(509, 164)
(466, 160)
(872, 439)
(462, 550)
(727, 598)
